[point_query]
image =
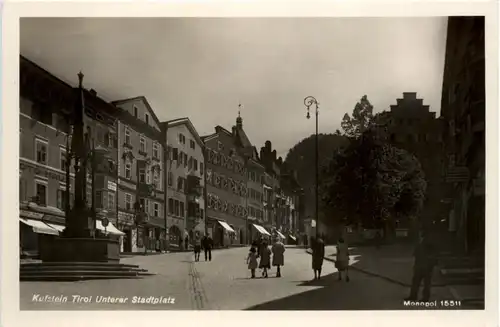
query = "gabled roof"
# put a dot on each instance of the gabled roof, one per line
(183, 121)
(144, 100)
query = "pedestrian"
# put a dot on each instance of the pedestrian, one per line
(318, 253)
(278, 250)
(207, 243)
(197, 247)
(425, 260)
(252, 260)
(186, 242)
(265, 259)
(342, 259)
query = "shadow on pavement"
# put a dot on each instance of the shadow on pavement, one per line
(331, 295)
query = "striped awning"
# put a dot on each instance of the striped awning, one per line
(261, 229)
(39, 226)
(226, 226)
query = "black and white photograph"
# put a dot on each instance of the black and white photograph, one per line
(253, 163)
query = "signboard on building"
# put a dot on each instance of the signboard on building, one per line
(112, 186)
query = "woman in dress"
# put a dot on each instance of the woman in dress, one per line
(318, 253)
(265, 259)
(278, 250)
(342, 262)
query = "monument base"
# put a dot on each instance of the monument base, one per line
(72, 249)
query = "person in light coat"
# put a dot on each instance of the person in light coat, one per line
(278, 250)
(342, 259)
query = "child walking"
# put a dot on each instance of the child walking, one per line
(252, 261)
(265, 259)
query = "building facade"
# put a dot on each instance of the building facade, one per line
(185, 180)
(255, 184)
(46, 108)
(226, 178)
(463, 111)
(141, 192)
(413, 127)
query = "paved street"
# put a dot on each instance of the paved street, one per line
(224, 283)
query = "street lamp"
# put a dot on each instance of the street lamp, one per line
(308, 102)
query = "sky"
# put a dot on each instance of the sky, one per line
(202, 68)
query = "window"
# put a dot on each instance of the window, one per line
(61, 199)
(176, 207)
(156, 180)
(41, 193)
(190, 163)
(180, 183)
(171, 206)
(98, 199)
(192, 145)
(136, 112)
(127, 136)
(142, 202)
(128, 170)
(182, 139)
(155, 151)
(182, 214)
(111, 201)
(148, 177)
(142, 175)
(62, 158)
(146, 116)
(202, 216)
(156, 209)
(41, 151)
(175, 154)
(128, 201)
(143, 144)
(195, 164)
(201, 168)
(185, 160)
(170, 178)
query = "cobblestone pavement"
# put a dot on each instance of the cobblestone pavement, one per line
(224, 283)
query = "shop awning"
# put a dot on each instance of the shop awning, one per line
(280, 235)
(226, 226)
(293, 237)
(109, 229)
(58, 228)
(39, 226)
(261, 229)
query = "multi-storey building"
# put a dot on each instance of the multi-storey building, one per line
(277, 199)
(226, 212)
(141, 192)
(292, 191)
(463, 110)
(46, 108)
(255, 184)
(413, 127)
(268, 201)
(185, 169)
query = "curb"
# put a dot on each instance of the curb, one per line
(389, 279)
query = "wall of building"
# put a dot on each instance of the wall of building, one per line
(463, 110)
(185, 153)
(226, 183)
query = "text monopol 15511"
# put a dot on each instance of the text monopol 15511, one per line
(434, 304)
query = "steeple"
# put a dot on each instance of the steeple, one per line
(239, 120)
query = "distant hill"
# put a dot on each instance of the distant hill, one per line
(301, 157)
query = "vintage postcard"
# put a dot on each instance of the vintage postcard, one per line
(184, 158)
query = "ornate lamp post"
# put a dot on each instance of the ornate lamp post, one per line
(308, 102)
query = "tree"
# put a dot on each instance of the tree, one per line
(361, 120)
(370, 181)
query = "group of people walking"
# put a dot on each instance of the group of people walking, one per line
(259, 256)
(341, 262)
(206, 243)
